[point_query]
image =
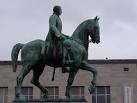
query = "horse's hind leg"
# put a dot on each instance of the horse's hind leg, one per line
(25, 70)
(35, 80)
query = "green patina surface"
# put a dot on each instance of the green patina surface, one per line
(58, 50)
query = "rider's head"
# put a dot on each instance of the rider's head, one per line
(57, 10)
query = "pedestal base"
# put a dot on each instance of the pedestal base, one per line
(76, 100)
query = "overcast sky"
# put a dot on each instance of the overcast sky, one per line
(22, 21)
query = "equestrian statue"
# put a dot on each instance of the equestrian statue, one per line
(58, 50)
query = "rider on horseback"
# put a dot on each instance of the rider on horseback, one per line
(55, 38)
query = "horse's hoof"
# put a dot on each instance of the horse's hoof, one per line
(92, 89)
(45, 96)
(45, 92)
(20, 97)
(68, 96)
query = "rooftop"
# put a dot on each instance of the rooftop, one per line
(96, 61)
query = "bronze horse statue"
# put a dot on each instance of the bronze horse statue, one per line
(77, 48)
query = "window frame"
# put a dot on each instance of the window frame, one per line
(80, 91)
(29, 96)
(54, 95)
(5, 96)
(106, 94)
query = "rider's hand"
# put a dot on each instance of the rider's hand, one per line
(61, 37)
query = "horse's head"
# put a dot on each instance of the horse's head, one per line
(94, 30)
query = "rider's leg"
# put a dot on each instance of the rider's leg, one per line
(65, 58)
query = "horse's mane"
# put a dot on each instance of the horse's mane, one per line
(80, 32)
(81, 26)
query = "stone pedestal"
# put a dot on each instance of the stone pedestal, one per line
(77, 100)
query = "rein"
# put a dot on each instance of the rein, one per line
(81, 43)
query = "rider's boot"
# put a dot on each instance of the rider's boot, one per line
(64, 66)
(65, 69)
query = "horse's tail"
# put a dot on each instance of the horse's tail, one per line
(14, 55)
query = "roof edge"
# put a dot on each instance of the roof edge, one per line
(94, 61)
(113, 61)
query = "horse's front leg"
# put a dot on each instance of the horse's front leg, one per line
(73, 72)
(86, 66)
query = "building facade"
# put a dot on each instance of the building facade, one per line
(116, 82)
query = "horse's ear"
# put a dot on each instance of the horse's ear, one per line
(96, 18)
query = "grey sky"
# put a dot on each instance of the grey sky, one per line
(26, 20)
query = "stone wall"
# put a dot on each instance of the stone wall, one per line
(109, 74)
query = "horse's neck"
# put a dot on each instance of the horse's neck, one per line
(81, 35)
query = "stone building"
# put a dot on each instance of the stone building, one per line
(116, 82)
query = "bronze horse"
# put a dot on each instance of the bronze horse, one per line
(77, 48)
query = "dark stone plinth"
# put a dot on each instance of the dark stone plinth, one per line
(75, 100)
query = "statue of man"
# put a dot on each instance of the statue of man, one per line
(55, 25)
(55, 37)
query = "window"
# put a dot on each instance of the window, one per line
(102, 95)
(128, 94)
(53, 93)
(3, 94)
(126, 69)
(27, 92)
(78, 91)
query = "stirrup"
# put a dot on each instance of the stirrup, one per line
(65, 70)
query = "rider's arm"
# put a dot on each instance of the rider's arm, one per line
(52, 25)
